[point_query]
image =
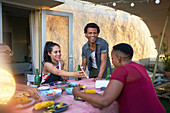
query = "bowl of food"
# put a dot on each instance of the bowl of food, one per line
(73, 84)
(60, 84)
(44, 88)
(50, 94)
(69, 90)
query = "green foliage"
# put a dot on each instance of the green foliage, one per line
(165, 58)
(165, 104)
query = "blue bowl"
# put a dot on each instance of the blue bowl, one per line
(69, 90)
(43, 94)
(73, 84)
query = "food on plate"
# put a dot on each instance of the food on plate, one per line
(21, 100)
(62, 106)
(21, 94)
(82, 86)
(89, 91)
(50, 107)
(20, 97)
(78, 98)
(61, 83)
(53, 93)
(50, 94)
(44, 104)
(49, 111)
(92, 91)
(69, 90)
(59, 105)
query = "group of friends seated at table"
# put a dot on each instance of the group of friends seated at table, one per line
(129, 84)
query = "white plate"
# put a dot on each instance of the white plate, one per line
(44, 88)
(26, 104)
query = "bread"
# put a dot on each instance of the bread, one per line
(21, 100)
(21, 97)
(21, 94)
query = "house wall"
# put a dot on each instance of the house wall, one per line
(116, 27)
(57, 31)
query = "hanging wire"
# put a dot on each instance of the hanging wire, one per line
(114, 3)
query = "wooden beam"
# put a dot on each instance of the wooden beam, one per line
(160, 45)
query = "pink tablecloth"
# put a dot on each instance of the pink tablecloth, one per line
(78, 106)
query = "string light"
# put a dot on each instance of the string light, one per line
(157, 1)
(132, 3)
(114, 4)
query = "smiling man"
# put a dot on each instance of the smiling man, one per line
(5, 54)
(5, 59)
(95, 53)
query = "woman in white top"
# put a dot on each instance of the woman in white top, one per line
(53, 65)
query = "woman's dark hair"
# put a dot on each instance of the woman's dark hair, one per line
(124, 48)
(91, 25)
(47, 49)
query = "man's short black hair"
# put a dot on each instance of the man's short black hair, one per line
(124, 48)
(91, 25)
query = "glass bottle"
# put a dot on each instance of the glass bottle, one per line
(79, 70)
(108, 74)
(37, 78)
(113, 68)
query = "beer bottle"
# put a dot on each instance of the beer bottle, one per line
(108, 74)
(79, 70)
(37, 78)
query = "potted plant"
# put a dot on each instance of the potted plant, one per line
(166, 60)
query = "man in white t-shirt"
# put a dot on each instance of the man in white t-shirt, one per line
(95, 53)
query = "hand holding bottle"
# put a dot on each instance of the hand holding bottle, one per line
(79, 74)
(78, 70)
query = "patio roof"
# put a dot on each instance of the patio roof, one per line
(37, 4)
(152, 14)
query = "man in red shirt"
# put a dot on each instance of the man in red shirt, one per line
(129, 84)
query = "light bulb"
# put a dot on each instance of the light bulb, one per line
(157, 1)
(114, 4)
(7, 86)
(132, 4)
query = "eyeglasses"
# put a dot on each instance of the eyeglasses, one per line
(7, 52)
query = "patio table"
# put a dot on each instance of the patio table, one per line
(78, 106)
